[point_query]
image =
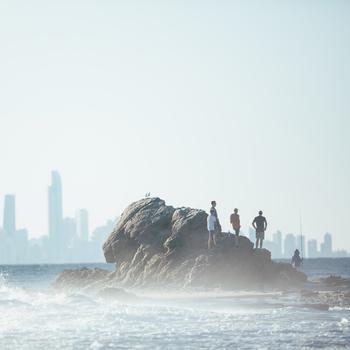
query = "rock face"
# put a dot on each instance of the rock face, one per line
(157, 245)
(80, 278)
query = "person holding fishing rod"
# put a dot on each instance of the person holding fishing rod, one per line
(296, 259)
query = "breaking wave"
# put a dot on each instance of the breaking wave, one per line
(36, 317)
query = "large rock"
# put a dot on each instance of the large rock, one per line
(157, 245)
(145, 222)
(80, 278)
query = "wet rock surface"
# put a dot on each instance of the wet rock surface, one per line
(80, 278)
(225, 267)
(336, 281)
(333, 291)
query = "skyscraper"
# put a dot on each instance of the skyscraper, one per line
(55, 214)
(9, 220)
(277, 240)
(326, 246)
(82, 220)
(312, 248)
(289, 245)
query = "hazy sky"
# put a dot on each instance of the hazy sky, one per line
(245, 102)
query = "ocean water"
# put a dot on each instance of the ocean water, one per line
(34, 316)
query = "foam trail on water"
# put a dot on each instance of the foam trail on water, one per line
(35, 317)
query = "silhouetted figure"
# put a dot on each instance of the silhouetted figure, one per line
(296, 259)
(236, 224)
(260, 225)
(215, 213)
(211, 225)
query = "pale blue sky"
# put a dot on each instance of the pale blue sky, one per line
(245, 102)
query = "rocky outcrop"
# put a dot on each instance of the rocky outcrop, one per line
(332, 291)
(95, 281)
(80, 278)
(157, 245)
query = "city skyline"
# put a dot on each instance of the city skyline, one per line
(284, 247)
(68, 239)
(59, 216)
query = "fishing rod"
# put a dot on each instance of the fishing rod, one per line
(301, 236)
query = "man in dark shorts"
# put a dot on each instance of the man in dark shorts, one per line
(215, 213)
(236, 224)
(260, 224)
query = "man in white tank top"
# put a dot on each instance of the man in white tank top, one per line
(211, 226)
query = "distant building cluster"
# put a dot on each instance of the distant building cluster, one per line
(284, 247)
(68, 239)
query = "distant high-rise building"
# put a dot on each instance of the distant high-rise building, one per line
(69, 231)
(55, 213)
(289, 245)
(340, 254)
(9, 220)
(326, 246)
(20, 243)
(82, 221)
(312, 248)
(277, 240)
